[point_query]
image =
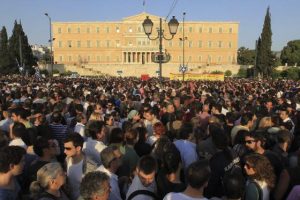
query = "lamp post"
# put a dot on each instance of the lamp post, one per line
(148, 25)
(183, 68)
(51, 43)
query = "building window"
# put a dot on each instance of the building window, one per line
(139, 43)
(130, 30)
(59, 30)
(98, 58)
(148, 42)
(88, 30)
(107, 43)
(139, 29)
(200, 58)
(230, 30)
(107, 29)
(60, 58)
(229, 59)
(220, 30)
(130, 43)
(69, 30)
(98, 30)
(200, 44)
(210, 30)
(200, 30)
(117, 29)
(88, 44)
(180, 59)
(219, 59)
(60, 44)
(69, 43)
(230, 44)
(191, 29)
(78, 44)
(107, 58)
(180, 29)
(209, 44)
(88, 58)
(209, 59)
(118, 59)
(70, 58)
(98, 43)
(220, 44)
(180, 43)
(144, 43)
(170, 44)
(78, 30)
(118, 43)
(190, 44)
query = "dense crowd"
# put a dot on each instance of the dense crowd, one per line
(124, 138)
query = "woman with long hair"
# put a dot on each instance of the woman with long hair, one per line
(50, 179)
(261, 177)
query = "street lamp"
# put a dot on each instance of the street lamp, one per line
(183, 68)
(173, 26)
(51, 43)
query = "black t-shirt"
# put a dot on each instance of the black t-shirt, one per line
(142, 148)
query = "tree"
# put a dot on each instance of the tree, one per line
(290, 54)
(265, 53)
(246, 56)
(5, 59)
(258, 62)
(19, 40)
(228, 73)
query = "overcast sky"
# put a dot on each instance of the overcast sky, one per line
(249, 13)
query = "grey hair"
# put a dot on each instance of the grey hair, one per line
(44, 175)
(107, 155)
(92, 184)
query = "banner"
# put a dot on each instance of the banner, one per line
(190, 76)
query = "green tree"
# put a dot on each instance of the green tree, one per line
(228, 73)
(242, 73)
(265, 53)
(246, 56)
(5, 60)
(291, 53)
(19, 39)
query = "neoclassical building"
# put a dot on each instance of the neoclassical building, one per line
(123, 47)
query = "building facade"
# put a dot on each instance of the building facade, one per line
(123, 45)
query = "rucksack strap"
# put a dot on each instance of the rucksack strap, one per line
(144, 192)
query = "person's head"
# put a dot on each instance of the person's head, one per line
(284, 114)
(247, 119)
(44, 147)
(216, 108)
(265, 122)
(18, 114)
(186, 131)
(95, 186)
(149, 115)
(133, 115)
(259, 167)
(171, 161)
(111, 158)
(284, 138)
(269, 104)
(96, 116)
(95, 130)
(56, 117)
(12, 160)
(146, 170)
(73, 145)
(49, 177)
(198, 174)
(254, 140)
(116, 136)
(109, 119)
(234, 185)
(80, 118)
(170, 108)
(159, 129)
(131, 136)
(18, 130)
(142, 134)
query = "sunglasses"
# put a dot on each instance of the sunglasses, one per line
(249, 141)
(248, 165)
(68, 148)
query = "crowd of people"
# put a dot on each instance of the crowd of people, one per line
(124, 138)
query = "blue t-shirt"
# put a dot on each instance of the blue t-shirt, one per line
(8, 194)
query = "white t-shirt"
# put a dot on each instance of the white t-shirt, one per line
(18, 142)
(180, 196)
(74, 173)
